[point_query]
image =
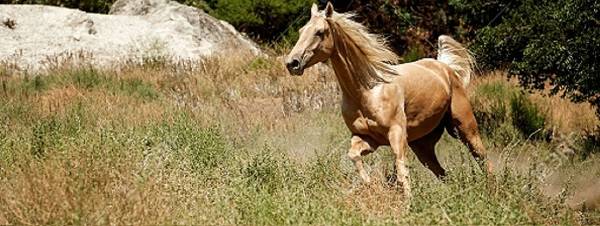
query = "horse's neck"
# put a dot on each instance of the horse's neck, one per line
(350, 86)
(347, 71)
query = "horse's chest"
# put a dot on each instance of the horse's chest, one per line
(372, 116)
(366, 125)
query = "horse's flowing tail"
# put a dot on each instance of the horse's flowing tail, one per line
(457, 57)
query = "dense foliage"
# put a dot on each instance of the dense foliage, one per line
(554, 43)
(267, 21)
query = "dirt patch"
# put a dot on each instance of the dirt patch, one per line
(587, 196)
(267, 111)
(580, 190)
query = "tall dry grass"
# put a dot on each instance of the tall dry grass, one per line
(562, 116)
(237, 141)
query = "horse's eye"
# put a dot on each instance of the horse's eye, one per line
(320, 33)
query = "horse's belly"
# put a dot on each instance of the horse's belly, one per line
(427, 95)
(421, 120)
(417, 129)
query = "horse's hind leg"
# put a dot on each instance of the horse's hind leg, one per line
(424, 149)
(463, 121)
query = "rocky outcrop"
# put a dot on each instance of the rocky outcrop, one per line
(35, 37)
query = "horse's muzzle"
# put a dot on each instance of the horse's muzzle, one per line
(295, 66)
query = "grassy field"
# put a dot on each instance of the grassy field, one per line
(238, 141)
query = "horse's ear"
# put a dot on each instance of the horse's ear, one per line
(329, 9)
(314, 10)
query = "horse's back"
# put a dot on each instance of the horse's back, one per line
(426, 70)
(427, 88)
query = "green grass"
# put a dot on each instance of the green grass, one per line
(138, 147)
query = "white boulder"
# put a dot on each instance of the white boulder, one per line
(37, 37)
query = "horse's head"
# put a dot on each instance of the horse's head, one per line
(315, 43)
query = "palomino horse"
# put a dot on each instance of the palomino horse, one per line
(385, 104)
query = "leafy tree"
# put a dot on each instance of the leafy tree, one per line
(470, 16)
(264, 20)
(411, 27)
(552, 43)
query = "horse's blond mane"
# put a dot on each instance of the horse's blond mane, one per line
(372, 49)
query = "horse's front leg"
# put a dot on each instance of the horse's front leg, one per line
(360, 146)
(397, 137)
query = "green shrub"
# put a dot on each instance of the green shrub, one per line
(526, 116)
(504, 112)
(490, 104)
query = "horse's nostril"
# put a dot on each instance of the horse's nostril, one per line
(294, 64)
